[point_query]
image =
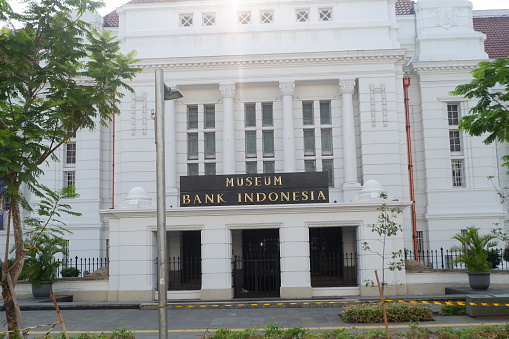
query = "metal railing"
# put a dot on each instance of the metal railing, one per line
(184, 273)
(83, 266)
(445, 259)
(333, 269)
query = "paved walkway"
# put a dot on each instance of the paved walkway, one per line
(186, 322)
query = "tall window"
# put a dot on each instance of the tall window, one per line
(201, 139)
(70, 153)
(317, 137)
(259, 137)
(69, 178)
(455, 146)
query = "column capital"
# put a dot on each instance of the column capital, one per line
(287, 88)
(346, 86)
(227, 90)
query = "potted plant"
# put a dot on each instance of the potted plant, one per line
(474, 254)
(40, 266)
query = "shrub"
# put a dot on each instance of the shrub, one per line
(453, 309)
(396, 312)
(70, 272)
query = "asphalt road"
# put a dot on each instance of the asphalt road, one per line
(188, 323)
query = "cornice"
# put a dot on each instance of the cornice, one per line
(394, 56)
(429, 66)
(248, 210)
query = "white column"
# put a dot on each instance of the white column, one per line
(228, 94)
(287, 91)
(350, 186)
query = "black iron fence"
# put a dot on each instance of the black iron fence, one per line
(445, 259)
(184, 273)
(256, 276)
(333, 269)
(81, 267)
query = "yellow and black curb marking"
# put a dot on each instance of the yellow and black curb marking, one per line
(314, 304)
(34, 327)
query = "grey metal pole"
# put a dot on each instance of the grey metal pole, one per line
(161, 206)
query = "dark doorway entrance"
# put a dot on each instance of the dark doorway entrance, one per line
(185, 270)
(257, 272)
(330, 265)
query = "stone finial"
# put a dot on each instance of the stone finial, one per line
(370, 192)
(137, 199)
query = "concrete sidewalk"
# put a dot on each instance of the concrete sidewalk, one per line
(187, 320)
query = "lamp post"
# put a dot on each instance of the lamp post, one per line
(163, 93)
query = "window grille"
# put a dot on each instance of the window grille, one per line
(70, 153)
(302, 15)
(244, 18)
(69, 178)
(325, 14)
(186, 20)
(267, 17)
(457, 172)
(210, 145)
(455, 141)
(453, 114)
(209, 19)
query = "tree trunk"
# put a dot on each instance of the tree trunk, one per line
(10, 274)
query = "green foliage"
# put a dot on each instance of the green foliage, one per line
(70, 272)
(453, 309)
(494, 258)
(40, 263)
(491, 113)
(396, 312)
(386, 227)
(474, 249)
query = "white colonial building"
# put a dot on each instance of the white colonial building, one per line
(274, 90)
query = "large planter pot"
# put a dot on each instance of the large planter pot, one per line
(479, 280)
(43, 290)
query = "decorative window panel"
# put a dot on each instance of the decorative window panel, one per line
(210, 116)
(267, 17)
(326, 141)
(453, 114)
(309, 142)
(250, 115)
(328, 166)
(186, 20)
(325, 14)
(455, 140)
(269, 167)
(210, 168)
(210, 145)
(70, 153)
(302, 15)
(457, 172)
(307, 113)
(192, 117)
(244, 18)
(325, 116)
(250, 144)
(251, 167)
(310, 165)
(192, 146)
(267, 115)
(268, 143)
(209, 19)
(192, 169)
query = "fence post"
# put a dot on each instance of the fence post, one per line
(442, 256)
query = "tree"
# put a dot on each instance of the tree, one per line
(491, 113)
(57, 75)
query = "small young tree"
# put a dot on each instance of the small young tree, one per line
(387, 227)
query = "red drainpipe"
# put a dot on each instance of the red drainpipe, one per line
(406, 84)
(113, 163)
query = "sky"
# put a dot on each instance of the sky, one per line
(478, 4)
